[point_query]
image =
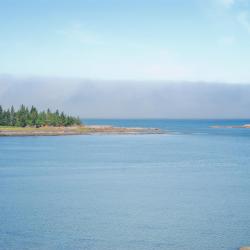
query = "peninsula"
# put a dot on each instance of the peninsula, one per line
(231, 126)
(30, 122)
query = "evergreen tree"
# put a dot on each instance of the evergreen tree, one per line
(6, 118)
(12, 116)
(33, 116)
(24, 117)
(1, 115)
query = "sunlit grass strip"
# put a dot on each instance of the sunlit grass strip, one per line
(45, 128)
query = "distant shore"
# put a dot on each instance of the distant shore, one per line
(75, 130)
(231, 126)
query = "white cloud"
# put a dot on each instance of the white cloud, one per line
(226, 40)
(79, 33)
(227, 3)
(244, 20)
(239, 12)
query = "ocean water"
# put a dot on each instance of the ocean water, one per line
(189, 189)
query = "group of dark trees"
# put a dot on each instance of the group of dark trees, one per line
(31, 117)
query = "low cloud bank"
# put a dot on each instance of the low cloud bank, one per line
(128, 99)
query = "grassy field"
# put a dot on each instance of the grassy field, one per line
(10, 128)
(74, 130)
(41, 128)
(45, 129)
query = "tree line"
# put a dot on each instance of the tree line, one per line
(32, 117)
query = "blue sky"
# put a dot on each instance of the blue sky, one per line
(176, 40)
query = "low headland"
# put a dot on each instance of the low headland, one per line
(247, 126)
(74, 130)
(30, 122)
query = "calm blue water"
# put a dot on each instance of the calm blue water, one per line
(189, 190)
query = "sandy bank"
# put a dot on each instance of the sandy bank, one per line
(75, 130)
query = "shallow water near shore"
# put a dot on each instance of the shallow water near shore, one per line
(188, 190)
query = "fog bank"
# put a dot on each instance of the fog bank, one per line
(128, 99)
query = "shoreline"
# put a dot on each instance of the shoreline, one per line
(247, 126)
(77, 130)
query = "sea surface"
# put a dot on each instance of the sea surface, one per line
(188, 189)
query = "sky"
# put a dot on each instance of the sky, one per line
(127, 58)
(192, 40)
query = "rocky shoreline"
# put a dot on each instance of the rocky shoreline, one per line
(75, 130)
(231, 126)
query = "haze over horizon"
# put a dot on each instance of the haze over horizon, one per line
(128, 99)
(127, 59)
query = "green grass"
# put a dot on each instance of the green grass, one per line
(10, 128)
(83, 129)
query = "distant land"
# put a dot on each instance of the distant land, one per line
(30, 122)
(232, 126)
